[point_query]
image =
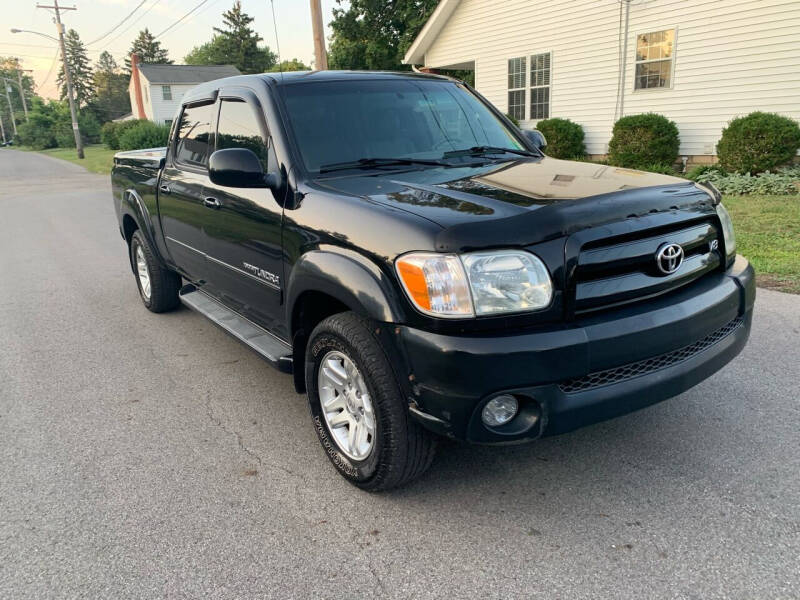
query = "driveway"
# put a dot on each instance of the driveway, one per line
(147, 456)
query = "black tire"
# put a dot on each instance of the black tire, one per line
(164, 284)
(402, 449)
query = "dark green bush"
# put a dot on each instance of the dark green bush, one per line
(143, 134)
(109, 135)
(643, 140)
(564, 138)
(111, 131)
(758, 142)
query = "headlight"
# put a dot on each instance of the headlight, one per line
(507, 281)
(727, 230)
(477, 283)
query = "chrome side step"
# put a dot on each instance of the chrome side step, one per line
(273, 350)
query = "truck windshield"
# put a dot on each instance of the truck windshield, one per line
(369, 124)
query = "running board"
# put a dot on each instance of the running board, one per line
(273, 350)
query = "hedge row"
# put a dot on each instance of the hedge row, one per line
(753, 144)
(134, 134)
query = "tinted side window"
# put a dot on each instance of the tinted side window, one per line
(238, 128)
(194, 135)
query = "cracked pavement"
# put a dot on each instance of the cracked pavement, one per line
(147, 456)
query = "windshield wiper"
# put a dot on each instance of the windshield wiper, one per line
(366, 163)
(485, 150)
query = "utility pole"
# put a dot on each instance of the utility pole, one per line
(10, 107)
(2, 129)
(22, 90)
(320, 56)
(67, 74)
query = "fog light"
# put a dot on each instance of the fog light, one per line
(500, 410)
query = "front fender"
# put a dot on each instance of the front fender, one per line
(349, 277)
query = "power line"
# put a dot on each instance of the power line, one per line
(113, 29)
(181, 19)
(136, 20)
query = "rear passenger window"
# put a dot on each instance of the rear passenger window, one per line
(194, 135)
(238, 128)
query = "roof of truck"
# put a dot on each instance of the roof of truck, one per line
(298, 76)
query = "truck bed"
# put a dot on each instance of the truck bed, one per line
(149, 157)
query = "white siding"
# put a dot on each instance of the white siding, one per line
(731, 57)
(160, 110)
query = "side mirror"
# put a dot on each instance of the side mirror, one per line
(536, 138)
(236, 167)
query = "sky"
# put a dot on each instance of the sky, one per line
(94, 18)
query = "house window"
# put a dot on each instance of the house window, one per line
(166, 92)
(516, 87)
(655, 54)
(540, 86)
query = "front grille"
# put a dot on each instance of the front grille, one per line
(649, 365)
(618, 270)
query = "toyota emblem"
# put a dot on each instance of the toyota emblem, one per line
(669, 257)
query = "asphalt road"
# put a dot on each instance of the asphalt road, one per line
(146, 456)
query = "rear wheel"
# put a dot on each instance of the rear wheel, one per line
(158, 286)
(357, 406)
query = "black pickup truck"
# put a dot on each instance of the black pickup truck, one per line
(422, 268)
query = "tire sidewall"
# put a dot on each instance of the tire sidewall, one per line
(137, 242)
(354, 470)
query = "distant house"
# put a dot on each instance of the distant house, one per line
(156, 90)
(697, 62)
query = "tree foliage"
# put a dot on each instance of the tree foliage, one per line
(290, 65)
(80, 69)
(375, 34)
(111, 89)
(148, 49)
(236, 43)
(50, 126)
(10, 69)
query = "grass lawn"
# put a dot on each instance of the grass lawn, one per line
(98, 158)
(768, 234)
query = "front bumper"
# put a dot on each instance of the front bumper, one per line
(583, 372)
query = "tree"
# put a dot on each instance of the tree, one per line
(148, 49)
(111, 90)
(290, 65)
(80, 69)
(375, 34)
(236, 44)
(10, 69)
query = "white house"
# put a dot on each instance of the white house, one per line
(156, 90)
(698, 62)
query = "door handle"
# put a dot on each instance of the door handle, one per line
(164, 188)
(212, 203)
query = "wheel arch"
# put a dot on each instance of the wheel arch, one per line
(133, 217)
(327, 282)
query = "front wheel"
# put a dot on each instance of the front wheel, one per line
(358, 410)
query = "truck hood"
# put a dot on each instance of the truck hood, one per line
(523, 201)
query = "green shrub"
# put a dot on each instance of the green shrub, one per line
(758, 142)
(695, 172)
(110, 132)
(143, 134)
(642, 140)
(109, 135)
(564, 138)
